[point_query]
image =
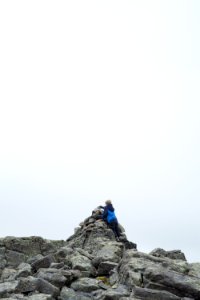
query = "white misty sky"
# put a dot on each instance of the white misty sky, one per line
(101, 100)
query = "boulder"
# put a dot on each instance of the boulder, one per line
(157, 273)
(71, 275)
(82, 263)
(27, 285)
(174, 254)
(33, 259)
(174, 282)
(2, 263)
(8, 274)
(2, 258)
(90, 237)
(23, 270)
(91, 264)
(50, 246)
(151, 294)
(31, 246)
(32, 297)
(105, 267)
(57, 265)
(67, 294)
(111, 251)
(14, 258)
(53, 276)
(62, 253)
(7, 287)
(2, 251)
(85, 285)
(43, 262)
(70, 294)
(32, 284)
(47, 288)
(15, 296)
(194, 270)
(85, 253)
(134, 264)
(40, 297)
(114, 294)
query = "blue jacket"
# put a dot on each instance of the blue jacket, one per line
(109, 214)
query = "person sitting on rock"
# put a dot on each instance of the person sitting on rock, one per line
(110, 218)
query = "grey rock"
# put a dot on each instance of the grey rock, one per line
(31, 246)
(129, 245)
(67, 294)
(2, 263)
(115, 294)
(49, 246)
(130, 298)
(114, 277)
(174, 254)
(62, 253)
(33, 259)
(70, 294)
(112, 252)
(90, 237)
(194, 270)
(44, 262)
(31, 284)
(6, 288)
(57, 265)
(24, 270)
(121, 228)
(14, 258)
(140, 269)
(179, 284)
(150, 294)
(39, 269)
(47, 288)
(27, 285)
(105, 267)
(135, 263)
(82, 263)
(8, 274)
(85, 285)
(85, 253)
(40, 297)
(2, 252)
(71, 275)
(53, 276)
(15, 296)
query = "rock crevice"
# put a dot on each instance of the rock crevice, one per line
(91, 264)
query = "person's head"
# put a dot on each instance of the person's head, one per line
(107, 202)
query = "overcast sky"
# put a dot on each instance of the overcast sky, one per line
(101, 100)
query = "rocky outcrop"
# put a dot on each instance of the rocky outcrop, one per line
(91, 264)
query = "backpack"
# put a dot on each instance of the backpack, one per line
(111, 216)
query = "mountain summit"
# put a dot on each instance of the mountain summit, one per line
(91, 264)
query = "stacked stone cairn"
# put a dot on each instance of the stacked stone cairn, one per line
(91, 264)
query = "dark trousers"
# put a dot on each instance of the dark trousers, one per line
(114, 226)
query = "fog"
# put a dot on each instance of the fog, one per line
(100, 100)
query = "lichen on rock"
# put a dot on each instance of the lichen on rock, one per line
(91, 264)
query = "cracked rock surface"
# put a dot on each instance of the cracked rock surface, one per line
(91, 264)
